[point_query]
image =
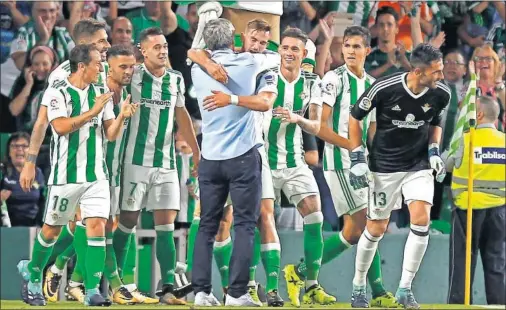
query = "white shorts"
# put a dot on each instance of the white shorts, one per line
(297, 183)
(150, 188)
(93, 198)
(388, 188)
(115, 192)
(267, 186)
(346, 199)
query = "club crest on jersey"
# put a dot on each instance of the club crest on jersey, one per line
(408, 123)
(94, 122)
(365, 104)
(303, 96)
(426, 107)
(489, 155)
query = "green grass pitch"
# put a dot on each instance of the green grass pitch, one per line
(14, 304)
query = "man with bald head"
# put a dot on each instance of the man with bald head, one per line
(488, 203)
(121, 32)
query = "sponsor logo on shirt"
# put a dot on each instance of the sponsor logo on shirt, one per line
(489, 155)
(156, 103)
(410, 122)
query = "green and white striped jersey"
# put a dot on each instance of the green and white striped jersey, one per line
(340, 90)
(63, 71)
(115, 149)
(361, 10)
(150, 136)
(283, 141)
(77, 157)
(27, 37)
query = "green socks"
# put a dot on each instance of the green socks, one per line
(271, 259)
(62, 244)
(313, 246)
(81, 246)
(42, 249)
(374, 276)
(332, 248)
(166, 252)
(111, 268)
(95, 261)
(128, 274)
(64, 257)
(222, 252)
(256, 257)
(192, 235)
(121, 240)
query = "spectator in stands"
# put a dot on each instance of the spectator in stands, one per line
(41, 30)
(488, 204)
(406, 10)
(490, 70)
(148, 17)
(390, 56)
(482, 17)
(454, 72)
(29, 86)
(23, 208)
(13, 14)
(121, 32)
(180, 41)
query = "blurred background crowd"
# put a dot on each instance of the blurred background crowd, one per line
(36, 37)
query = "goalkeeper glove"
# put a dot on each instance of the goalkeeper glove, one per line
(359, 171)
(436, 163)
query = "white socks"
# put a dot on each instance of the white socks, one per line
(366, 248)
(414, 250)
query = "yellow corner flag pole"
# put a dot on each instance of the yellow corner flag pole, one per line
(469, 228)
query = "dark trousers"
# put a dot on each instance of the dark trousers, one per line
(489, 237)
(241, 177)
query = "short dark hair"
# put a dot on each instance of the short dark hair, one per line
(87, 27)
(456, 51)
(358, 31)
(258, 24)
(120, 50)
(424, 54)
(148, 32)
(296, 33)
(387, 10)
(80, 53)
(7, 162)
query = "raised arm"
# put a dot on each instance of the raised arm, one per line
(169, 18)
(62, 124)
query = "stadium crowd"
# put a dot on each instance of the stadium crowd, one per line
(39, 36)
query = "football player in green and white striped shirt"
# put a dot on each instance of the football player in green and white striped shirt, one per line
(297, 91)
(87, 31)
(81, 115)
(150, 177)
(341, 89)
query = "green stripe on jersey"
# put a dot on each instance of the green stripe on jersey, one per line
(272, 137)
(73, 144)
(336, 117)
(91, 143)
(162, 126)
(290, 129)
(142, 131)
